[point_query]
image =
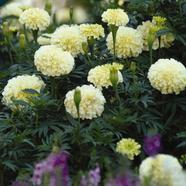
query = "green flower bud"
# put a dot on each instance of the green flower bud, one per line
(22, 41)
(133, 67)
(77, 99)
(5, 29)
(114, 77)
(152, 36)
(85, 47)
(48, 6)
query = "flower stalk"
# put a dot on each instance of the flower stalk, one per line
(91, 42)
(35, 35)
(114, 30)
(53, 87)
(71, 14)
(77, 101)
(114, 80)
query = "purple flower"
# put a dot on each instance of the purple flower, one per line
(56, 166)
(38, 173)
(152, 144)
(59, 162)
(21, 183)
(92, 179)
(124, 180)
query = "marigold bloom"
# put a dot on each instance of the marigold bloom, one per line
(92, 30)
(100, 75)
(115, 17)
(162, 170)
(35, 19)
(168, 76)
(129, 42)
(14, 90)
(91, 105)
(128, 147)
(52, 61)
(69, 38)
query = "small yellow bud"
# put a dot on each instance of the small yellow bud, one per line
(159, 21)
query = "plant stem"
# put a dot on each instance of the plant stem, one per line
(89, 60)
(35, 34)
(114, 30)
(10, 56)
(91, 42)
(118, 97)
(1, 176)
(150, 53)
(159, 49)
(71, 14)
(53, 87)
(25, 33)
(37, 120)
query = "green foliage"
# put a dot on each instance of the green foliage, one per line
(28, 135)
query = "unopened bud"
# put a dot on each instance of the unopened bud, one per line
(22, 41)
(114, 77)
(77, 98)
(48, 6)
(5, 29)
(133, 67)
(85, 47)
(152, 36)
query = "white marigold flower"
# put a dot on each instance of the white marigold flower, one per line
(35, 19)
(44, 39)
(100, 75)
(168, 76)
(115, 17)
(11, 9)
(69, 38)
(144, 29)
(128, 147)
(162, 170)
(52, 61)
(14, 90)
(91, 105)
(92, 30)
(129, 42)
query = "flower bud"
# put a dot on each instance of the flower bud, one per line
(5, 29)
(85, 47)
(22, 41)
(133, 67)
(114, 77)
(152, 36)
(77, 98)
(48, 6)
